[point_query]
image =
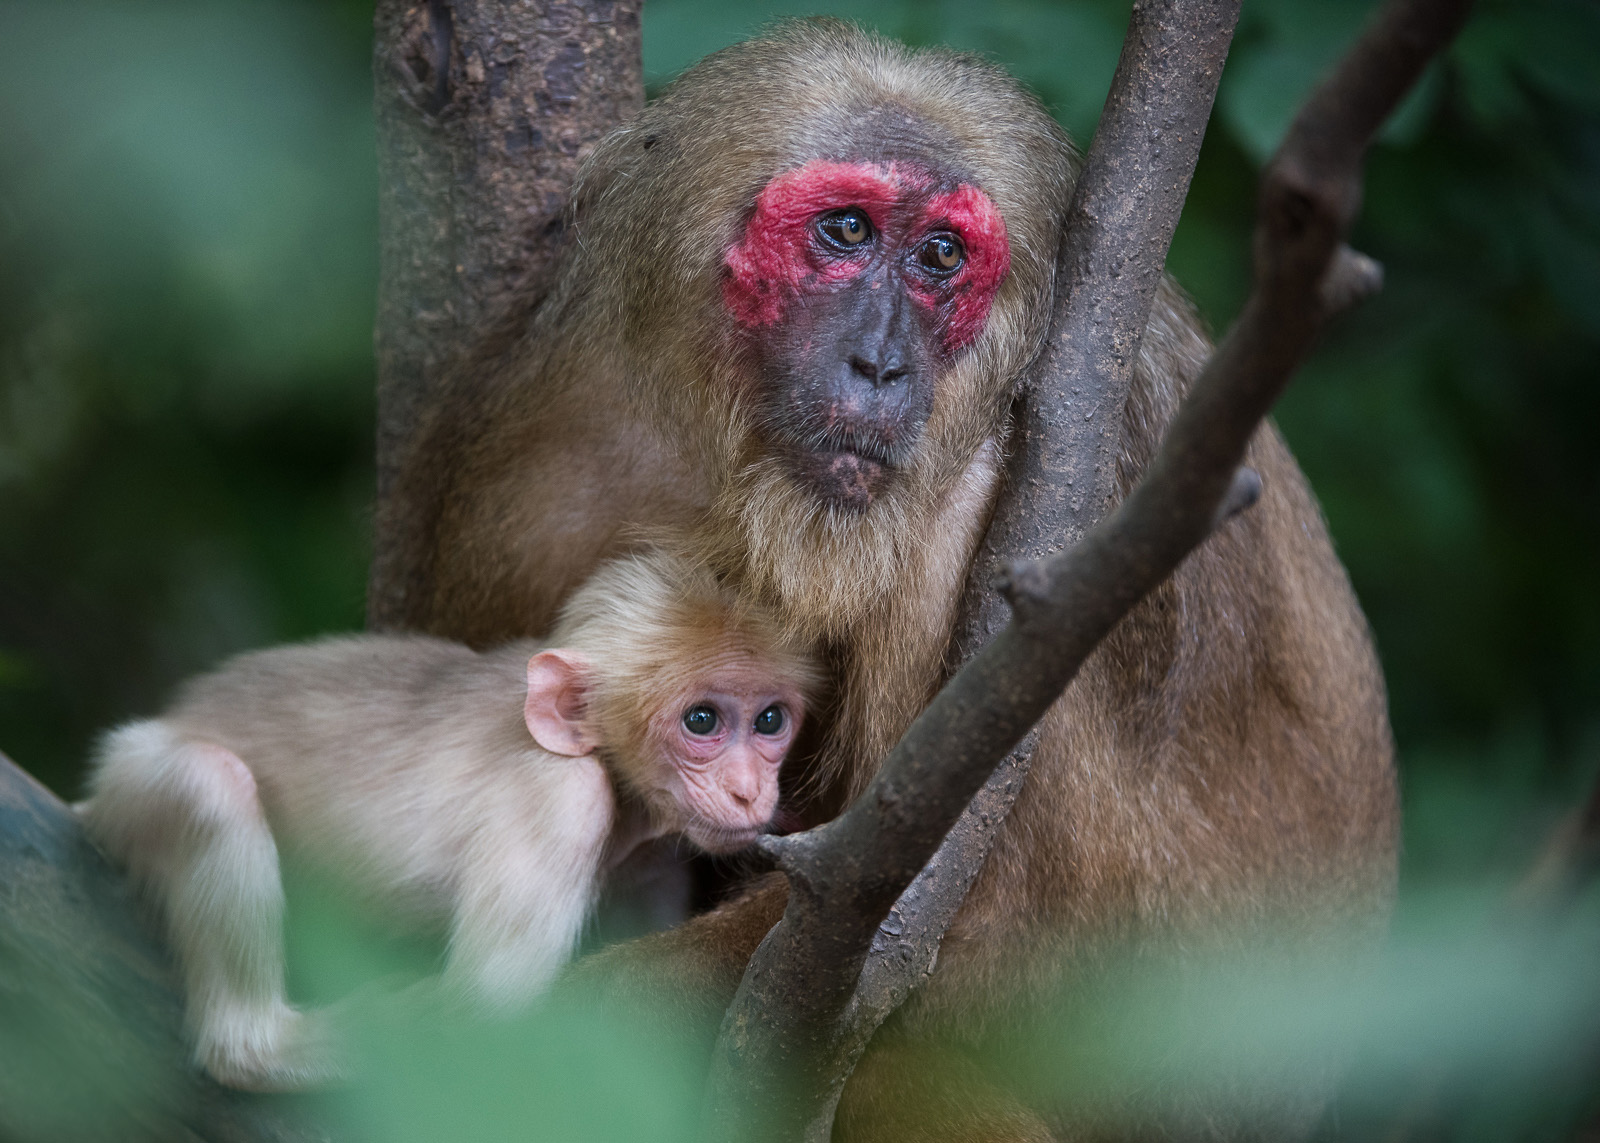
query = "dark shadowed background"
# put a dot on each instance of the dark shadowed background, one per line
(187, 259)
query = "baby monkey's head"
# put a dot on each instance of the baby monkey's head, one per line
(691, 695)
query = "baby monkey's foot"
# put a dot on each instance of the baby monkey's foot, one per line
(280, 1049)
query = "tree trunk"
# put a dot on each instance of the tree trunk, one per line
(484, 110)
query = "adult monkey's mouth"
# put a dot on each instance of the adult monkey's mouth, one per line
(848, 478)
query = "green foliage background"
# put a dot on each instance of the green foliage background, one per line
(187, 260)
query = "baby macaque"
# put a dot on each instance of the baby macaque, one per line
(487, 791)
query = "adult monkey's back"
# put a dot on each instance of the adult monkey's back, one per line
(802, 288)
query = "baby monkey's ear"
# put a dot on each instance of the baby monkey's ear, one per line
(558, 700)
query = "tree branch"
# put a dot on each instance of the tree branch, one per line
(771, 1075)
(484, 110)
(1067, 424)
(91, 1039)
(1568, 861)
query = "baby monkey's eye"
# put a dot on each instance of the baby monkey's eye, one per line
(700, 720)
(845, 228)
(770, 721)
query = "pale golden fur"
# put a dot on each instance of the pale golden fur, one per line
(659, 637)
(1222, 761)
(403, 769)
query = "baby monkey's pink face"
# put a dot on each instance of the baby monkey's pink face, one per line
(705, 759)
(720, 749)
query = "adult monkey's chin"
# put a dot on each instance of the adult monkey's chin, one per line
(825, 566)
(844, 480)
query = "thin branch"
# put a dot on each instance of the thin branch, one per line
(1567, 862)
(1061, 473)
(1067, 426)
(770, 1073)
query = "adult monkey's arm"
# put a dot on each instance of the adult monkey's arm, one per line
(787, 1039)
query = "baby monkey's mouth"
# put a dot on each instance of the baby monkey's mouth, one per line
(721, 839)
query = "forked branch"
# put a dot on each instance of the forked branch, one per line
(773, 1072)
(1066, 427)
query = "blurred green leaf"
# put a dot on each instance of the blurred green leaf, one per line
(187, 254)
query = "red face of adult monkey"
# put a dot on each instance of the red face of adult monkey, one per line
(802, 286)
(800, 289)
(857, 283)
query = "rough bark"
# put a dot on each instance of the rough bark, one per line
(774, 1070)
(1067, 421)
(91, 1042)
(484, 110)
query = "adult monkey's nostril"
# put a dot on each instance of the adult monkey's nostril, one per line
(879, 373)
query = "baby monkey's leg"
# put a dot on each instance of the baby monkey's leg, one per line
(185, 818)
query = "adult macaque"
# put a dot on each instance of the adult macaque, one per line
(487, 791)
(803, 286)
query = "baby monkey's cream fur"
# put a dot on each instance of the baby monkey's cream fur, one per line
(487, 790)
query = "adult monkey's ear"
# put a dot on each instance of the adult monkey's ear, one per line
(557, 704)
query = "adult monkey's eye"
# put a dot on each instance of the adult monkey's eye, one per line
(942, 253)
(700, 720)
(845, 228)
(770, 721)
